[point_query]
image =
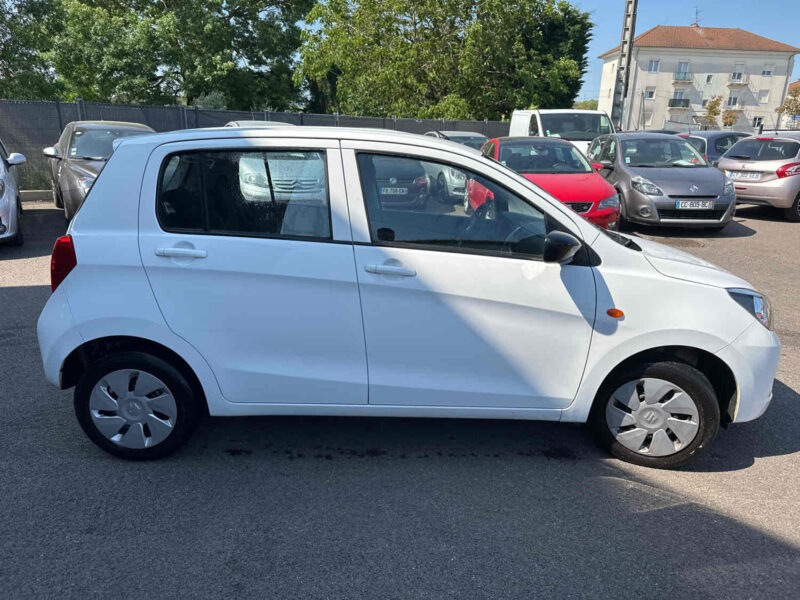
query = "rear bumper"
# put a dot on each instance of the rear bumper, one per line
(753, 358)
(57, 333)
(779, 193)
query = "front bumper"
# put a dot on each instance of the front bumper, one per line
(8, 219)
(753, 358)
(660, 210)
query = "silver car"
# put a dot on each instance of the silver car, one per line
(10, 203)
(662, 180)
(765, 169)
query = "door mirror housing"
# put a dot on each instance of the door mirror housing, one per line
(606, 164)
(15, 159)
(560, 247)
(51, 152)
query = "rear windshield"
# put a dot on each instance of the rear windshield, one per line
(763, 150)
(698, 143)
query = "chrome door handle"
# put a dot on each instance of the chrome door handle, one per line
(181, 252)
(390, 270)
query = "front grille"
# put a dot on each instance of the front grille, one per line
(580, 207)
(292, 185)
(693, 197)
(704, 215)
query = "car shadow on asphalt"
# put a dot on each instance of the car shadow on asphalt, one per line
(761, 213)
(735, 229)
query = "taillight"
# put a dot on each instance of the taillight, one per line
(764, 139)
(788, 170)
(423, 180)
(62, 261)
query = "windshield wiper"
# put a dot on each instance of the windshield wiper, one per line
(742, 156)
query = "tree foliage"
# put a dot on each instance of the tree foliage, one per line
(153, 51)
(444, 58)
(730, 118)
(586, 105)
(24, 71)
(791, 104)
(713, 109)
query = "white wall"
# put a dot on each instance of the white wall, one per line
(655, 114)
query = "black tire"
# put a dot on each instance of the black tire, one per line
(188, 405)
(59, 203)
(441, 189)
(688, 378)
(18, 239)
(622, 224)
(793, 212)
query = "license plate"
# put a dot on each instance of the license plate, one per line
(394, 191)
(695, 204)
(742, 175)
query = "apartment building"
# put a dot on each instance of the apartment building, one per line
(676, 70)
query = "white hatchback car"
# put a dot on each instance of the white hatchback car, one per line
(175, 295)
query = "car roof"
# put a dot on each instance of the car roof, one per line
(304, 132)
(572, 110)
(644, 135)
(254, 123)
(715, 133)
(107, 124)
(460, 133)
(533, 138)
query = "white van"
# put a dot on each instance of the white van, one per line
(578, 126)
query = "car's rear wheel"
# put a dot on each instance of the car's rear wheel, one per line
(19, 238)
(136, 406)
(793, 212)
(660, 415)
(441, 188)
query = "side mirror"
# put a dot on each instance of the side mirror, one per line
(606, 164)
(51, 152)
(15, 159)
(560, 247)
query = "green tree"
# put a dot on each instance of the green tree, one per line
(730, 118)
(24, 71)
(791, 104)
(585, 105)
(144, 51)
(444, 58)
(713, 109)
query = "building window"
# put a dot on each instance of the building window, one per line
(709, 78)
(652, 67)
(758, 121)
(678, 94)
(704, 102)
(733, 101)
(763, 96)
(738, 72)
(649, 93)
(767, 72)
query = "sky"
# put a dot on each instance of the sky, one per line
(775, 19)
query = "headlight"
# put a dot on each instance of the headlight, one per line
(458, 175)
(610, 202)
(85, 184)
(754, 303)
(645, 186)
(728, 191)
(256, 179)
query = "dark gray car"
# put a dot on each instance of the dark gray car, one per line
(713, 144)
(662, 180)
(80, 154)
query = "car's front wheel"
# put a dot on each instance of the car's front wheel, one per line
(660, 415)
(793, 212)
(56, 196)
(136, 405)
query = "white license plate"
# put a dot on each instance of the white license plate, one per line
(744, 175)
(695, 204)
(394, 191)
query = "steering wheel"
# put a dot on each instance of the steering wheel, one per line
(485, 211)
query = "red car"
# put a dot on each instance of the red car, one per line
(559, 168)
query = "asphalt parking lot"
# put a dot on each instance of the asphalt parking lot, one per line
(305, 507)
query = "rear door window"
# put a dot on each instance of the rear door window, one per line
(699, 144)
(230, 192)
(755, 149)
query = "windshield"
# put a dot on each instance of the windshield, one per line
(661, 153)
(473, 141)
(530, 156)
(97, 143)
(755, 149)
(575, 127)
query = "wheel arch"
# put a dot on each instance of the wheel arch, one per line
(719, 374)
(77, 361)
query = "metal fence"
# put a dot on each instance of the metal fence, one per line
(28, 126)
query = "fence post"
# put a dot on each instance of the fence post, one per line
(301, 118)
(486, 127)
(266, 115)
(79, 107)
(336, 114)
(184, 118)
(394, 122)
(58, 111)
(196, 118)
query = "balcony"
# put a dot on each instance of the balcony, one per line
(678, 103)
(681, 77)
(738, 80)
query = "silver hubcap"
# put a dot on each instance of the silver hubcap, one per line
(652, 417)
(133, 408)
